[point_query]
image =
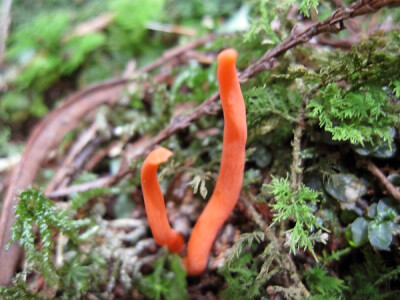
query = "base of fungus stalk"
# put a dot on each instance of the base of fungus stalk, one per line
(193, 270)
(176, 243)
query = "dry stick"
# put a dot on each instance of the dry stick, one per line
(47, 135)
(383, 180)
(295, 168)
(257, 218)
(4, 25)
(68, 164)
(175, 52)
(79, 188)
(100, 154)
(332, 24)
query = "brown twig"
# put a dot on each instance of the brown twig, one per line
(69, 163)
(295, 168)
(100, 154)
(333, 24)
(4, 25)
(383, 180)
(79, 188)
(132, 151)
(257, 218)
(175, 52)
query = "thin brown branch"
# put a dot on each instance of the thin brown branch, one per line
(4, 25)
(395, 192)
(295, 173)
(79, 188)
(69, 164)
(257, 218)
(175, 52)
(333, 24)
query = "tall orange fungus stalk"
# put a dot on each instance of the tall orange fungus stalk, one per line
(229, 182)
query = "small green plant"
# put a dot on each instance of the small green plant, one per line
(376, 227)
(322, 285)
(202, 83)
(127, 32)
(370, 279)
(296, 206)
(35, 210)
(359, 116)
(243, 265)
(241, 278)
(168, 280)
(362, 111)
(262, 101)
(85, 272)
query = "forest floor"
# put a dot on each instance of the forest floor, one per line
(89, 88)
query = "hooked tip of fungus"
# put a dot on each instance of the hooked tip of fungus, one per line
(159, 155)
(227, 55)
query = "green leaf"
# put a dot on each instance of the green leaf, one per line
(38, 108)
(345, 187)
(357, 232)
(385, 212)
(396, 87)
(380, 234)
(307, 5)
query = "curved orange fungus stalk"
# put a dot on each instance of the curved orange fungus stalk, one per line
(229, 182)
(154, 201)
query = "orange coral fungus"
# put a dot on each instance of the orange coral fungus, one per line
(230, 178)
(154, 202)
(229, 182)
